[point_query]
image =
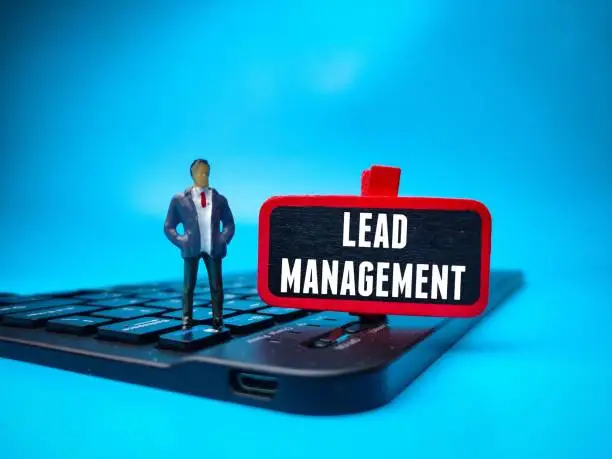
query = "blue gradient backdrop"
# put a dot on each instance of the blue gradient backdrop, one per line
(105, 104)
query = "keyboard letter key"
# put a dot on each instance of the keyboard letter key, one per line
(38, 317)
(248, 323)
(77, 325)
(129, 312)
(195, 338)
(143, 330)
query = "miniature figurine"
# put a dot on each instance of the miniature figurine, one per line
(201, 209)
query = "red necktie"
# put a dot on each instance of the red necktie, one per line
(203, 197)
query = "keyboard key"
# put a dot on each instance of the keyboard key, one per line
(98, 296)
(244, 282)
(244, 305)
(359, 326)
(117, 302)
(169, 285)
(143, 330)
(39, 317)
(51, 302)
(199, 290)
(199, 314)
(195, 338)
(134, 289)
(205, 298)
(30, 298)
(242, 291)
(129, 312)
(7, 298)
(159, 295)
(283, 313)
(248, 323)
(31, 306)
(175, 303)
(13, 308)
(77, 325)
(329, 320)
(179, 287)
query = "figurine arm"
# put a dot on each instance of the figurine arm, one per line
(172, 221)
(228, 223)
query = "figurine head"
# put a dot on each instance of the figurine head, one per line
(200, 170)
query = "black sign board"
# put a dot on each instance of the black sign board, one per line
(375, 254)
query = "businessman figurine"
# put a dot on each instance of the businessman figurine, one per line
(201, 210)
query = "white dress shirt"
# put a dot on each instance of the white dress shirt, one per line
(204, 217)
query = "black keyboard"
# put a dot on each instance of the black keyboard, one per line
(294, 360)
(147, 313)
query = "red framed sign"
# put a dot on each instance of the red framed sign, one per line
(375, 254)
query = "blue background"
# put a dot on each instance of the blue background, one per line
(105, 104)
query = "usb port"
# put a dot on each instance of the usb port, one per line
(253, 384)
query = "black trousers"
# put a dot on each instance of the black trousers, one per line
(215, 279)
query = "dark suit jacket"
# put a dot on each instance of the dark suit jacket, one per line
(182, 210)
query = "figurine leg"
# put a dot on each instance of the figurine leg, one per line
(215, 279)
(190, 277)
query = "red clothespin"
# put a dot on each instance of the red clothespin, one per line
(379, 181)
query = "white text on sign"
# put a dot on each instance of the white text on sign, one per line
(381, 279)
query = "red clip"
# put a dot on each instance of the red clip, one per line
(380, 181)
